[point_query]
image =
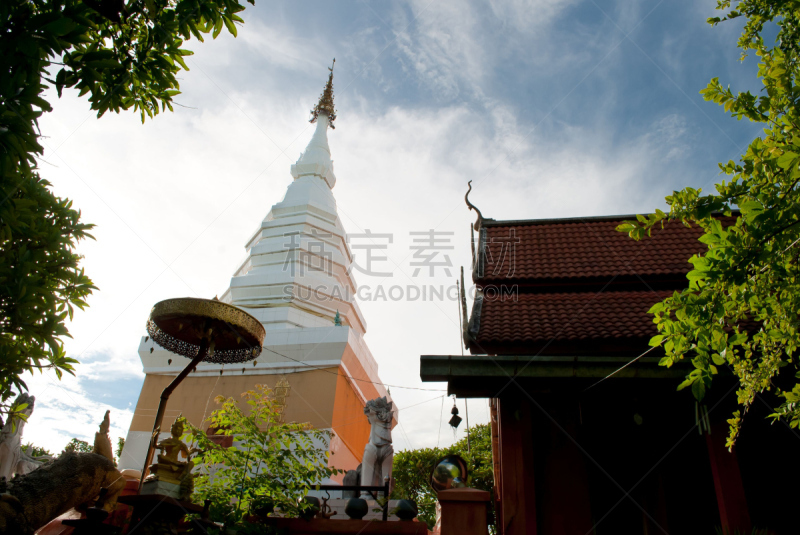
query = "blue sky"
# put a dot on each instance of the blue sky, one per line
(615, 67)
(552, 108)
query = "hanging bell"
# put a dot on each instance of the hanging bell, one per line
(456, 419)
(169, 361)
(151, 350)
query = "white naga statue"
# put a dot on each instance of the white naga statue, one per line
(13, 460)
(378, 453)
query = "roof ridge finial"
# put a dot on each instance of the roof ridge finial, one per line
(325, 104)
(479, 221)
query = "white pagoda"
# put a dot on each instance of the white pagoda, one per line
(296, 280)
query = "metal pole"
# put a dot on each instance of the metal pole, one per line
(162, 405)
(386, 499)
(460, 319)
(466, 413)
(461, 343)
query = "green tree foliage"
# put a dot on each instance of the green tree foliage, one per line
(78, 446)
(411, 470)
(122, 54)
(40, 278)
(270, 463)
(741, 310)
(35, 451)
(120, 445)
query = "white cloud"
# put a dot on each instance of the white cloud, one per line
(437, 42)
(63, 410)
(282, 47)
(528, 15)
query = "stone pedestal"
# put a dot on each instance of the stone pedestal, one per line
(162, 488)
(462, 512)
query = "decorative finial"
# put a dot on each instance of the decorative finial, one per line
(325, 104)
(477, 225)
(337, 320)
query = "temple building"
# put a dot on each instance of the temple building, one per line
(297, 281)
(589, 434)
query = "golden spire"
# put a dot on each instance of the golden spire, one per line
(325, 104)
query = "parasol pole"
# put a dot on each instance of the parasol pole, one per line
(162, 405)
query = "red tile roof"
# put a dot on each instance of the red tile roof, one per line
(582, 288)
(567, 323)
(581, 248)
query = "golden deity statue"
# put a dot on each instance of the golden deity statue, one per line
(169, 468)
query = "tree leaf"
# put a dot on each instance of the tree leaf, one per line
(698, 390)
